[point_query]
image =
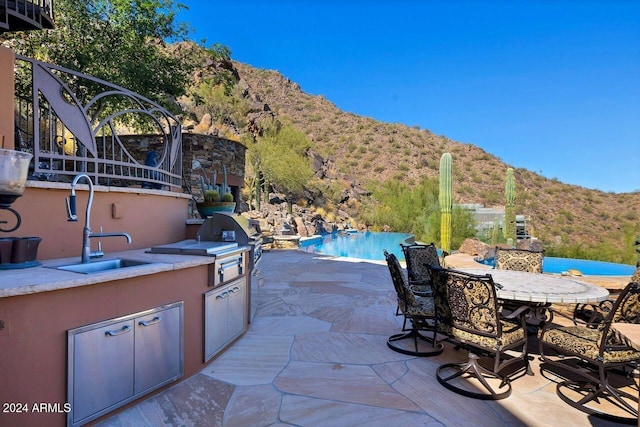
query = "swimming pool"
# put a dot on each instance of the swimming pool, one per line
(585, 266)
(370, 245)
(363, 245)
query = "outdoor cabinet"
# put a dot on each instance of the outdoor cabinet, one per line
(157, 349)
(225, 316)
(102, 368)
(113, 362)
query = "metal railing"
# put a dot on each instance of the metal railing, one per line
(16, 15)
(75, 123)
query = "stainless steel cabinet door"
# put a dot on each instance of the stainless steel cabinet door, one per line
(215, 321)
(236, 309)
(225, 316)
(102, 368)
(158, 348)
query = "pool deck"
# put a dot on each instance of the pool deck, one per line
(316, 355)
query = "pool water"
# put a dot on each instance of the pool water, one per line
(585, 266)
(363, 245)
(370, 245)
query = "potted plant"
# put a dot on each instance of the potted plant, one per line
(215, 198)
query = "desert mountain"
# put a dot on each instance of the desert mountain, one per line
(368, 150)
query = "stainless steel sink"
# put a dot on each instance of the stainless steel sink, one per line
(103, 265)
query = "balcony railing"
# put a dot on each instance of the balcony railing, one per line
(74, 123)
(20, 15)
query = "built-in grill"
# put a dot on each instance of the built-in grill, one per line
(236, 244)
(225, 236)
(227, 228)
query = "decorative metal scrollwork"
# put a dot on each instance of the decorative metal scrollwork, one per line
(6, 199)
(18, 220)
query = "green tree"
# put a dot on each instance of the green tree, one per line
(223, 99)
(397, 206)
(120, 41)
(280, 157)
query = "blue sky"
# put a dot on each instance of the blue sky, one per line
(550, 86)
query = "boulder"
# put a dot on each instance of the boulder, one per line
(530, 244)
(300, 227)
(474, 247)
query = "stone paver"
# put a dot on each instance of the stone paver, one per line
(316, 355)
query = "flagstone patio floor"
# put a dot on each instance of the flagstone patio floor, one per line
(316, 355)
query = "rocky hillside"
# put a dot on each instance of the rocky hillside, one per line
(362, 149)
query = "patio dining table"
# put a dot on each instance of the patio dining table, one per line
(541, 288)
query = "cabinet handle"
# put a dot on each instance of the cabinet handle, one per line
(230, 263)
(222, 295)
(234, 290)
(124, 330)
(226, 264)
(149, 322)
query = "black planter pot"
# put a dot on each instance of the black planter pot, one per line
(18, 252)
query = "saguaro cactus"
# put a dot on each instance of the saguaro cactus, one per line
(445, 202)
(509, 206)
(495, 232)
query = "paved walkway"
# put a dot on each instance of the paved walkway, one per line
(316, 355)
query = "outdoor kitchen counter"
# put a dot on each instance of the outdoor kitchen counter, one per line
(39, 306)
(43, 279)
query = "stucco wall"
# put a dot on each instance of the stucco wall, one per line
(151, 217)
(6, 97)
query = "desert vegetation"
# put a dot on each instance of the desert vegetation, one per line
(392, 166)
(397, 160)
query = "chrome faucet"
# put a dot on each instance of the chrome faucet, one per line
(86, 231)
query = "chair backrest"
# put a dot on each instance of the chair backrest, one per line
(405, 296)
(626, 308)
(635, 277)
(439, 279)
(519, 260)
(418, 257)
(473, 304)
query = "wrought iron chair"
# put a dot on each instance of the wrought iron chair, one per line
(519, 260)
(418, 257)
(593, 314)
(597, 352)
(467, 311)
(417, 310)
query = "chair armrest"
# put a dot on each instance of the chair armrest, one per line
(591, 315)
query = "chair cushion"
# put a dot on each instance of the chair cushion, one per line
(520, 260)
(509, 336)
(584, 342)
(423, 306)
(418, 257)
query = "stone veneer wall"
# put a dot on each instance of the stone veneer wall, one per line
(211, 151)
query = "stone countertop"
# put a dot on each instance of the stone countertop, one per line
(44, 278)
